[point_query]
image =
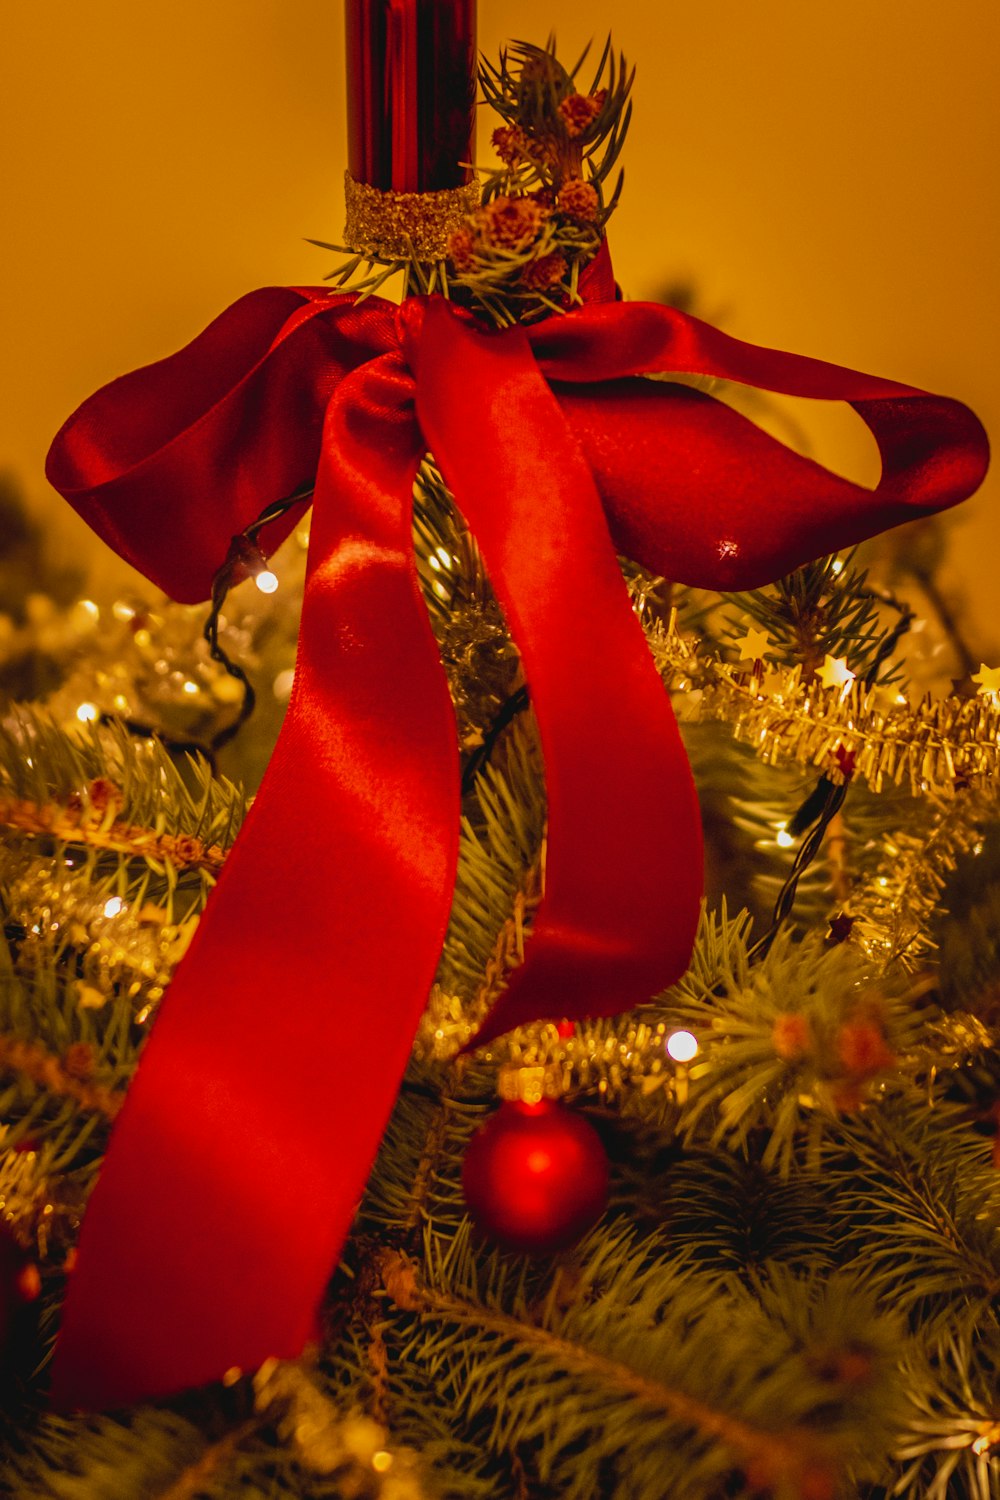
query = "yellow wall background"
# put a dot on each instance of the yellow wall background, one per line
(824, 170)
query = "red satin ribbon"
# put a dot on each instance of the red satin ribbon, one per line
(249, 1130)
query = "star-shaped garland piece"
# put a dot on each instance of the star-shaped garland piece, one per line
(755, 645)
(988, 679)
(836, 673)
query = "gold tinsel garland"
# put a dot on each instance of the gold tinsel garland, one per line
(933, 746)
(947, 750)
(893, 910)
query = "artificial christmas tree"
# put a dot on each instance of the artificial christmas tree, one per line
(793, 1289)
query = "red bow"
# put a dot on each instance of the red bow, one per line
(249, 1130)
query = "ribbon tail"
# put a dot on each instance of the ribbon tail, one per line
(624, 856)
(247, 1135)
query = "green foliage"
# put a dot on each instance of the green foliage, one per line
(920, 1210)
(44, 764)
(777, 1037)
(526, 90)
(668, 1378)
(828, 608)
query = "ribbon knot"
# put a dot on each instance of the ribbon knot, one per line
(282, 1039)
(409, 322)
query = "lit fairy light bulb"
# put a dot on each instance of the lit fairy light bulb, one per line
(837, 566)
(783, 838)
(266, 581)
(114, 906)
(87, 713)
(682, 1046)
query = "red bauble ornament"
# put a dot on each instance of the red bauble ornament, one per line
(535, 1176)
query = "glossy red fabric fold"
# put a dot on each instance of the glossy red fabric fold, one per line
(280, 1044)
(620, 794)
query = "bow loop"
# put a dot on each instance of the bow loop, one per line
(169, 462)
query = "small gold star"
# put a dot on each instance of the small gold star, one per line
(755, 645)
(836, 673)
(988, 679)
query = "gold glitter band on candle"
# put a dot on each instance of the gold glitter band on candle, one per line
(398, 226)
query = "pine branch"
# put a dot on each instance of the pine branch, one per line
(651, 1406)
(920, 1209)
(192, 1482)
(72, 826)
(30, 1061)
(775, 1458)
(828, 608)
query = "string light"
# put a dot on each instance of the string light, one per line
(783, 838)
(266, 581)
(114, 906)
(682, 1046)
(87, 713)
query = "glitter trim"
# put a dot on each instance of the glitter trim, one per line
(404, 226)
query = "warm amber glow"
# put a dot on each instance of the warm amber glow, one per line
(822, 174)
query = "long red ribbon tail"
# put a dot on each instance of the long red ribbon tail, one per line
(264, 1088)
(623, 874)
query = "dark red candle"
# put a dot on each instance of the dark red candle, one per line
(411, 77)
